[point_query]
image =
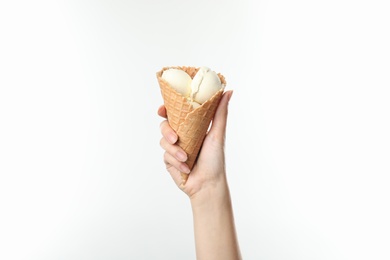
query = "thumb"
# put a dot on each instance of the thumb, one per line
(218, 127)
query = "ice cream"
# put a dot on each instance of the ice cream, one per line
(197, 90)
(179, 80)
(189, 119)
(204, 85)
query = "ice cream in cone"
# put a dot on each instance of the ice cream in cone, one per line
(191, 103)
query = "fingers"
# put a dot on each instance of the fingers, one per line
(174, 155)
(218, 127)
(170, 160)
(162, 111)
(167, 132)
(175, 174)
(173, 150)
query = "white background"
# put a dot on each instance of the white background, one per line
(308, 157)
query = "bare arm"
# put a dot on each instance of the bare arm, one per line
(215, 234)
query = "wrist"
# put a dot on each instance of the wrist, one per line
(211, 196)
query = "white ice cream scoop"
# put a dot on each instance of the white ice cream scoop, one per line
(179, 80)
(204, 85)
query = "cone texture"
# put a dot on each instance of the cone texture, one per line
(190, 124)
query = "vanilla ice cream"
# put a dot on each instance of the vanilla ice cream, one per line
(204, 85)
(194, 104)
(197, 90)
(179, 80)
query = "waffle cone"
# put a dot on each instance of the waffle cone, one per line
(190, 124)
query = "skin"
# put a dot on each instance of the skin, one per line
(207, 187)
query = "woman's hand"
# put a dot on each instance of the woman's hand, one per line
(214, 228)
(209, 170)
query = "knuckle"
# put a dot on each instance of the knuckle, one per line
(162, 142)
(162, 124)
(165, 157)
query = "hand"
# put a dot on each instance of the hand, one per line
(209, 170)
(214, 228)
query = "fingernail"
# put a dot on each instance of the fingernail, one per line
(181, 156)
(172, 138)
(184, 168)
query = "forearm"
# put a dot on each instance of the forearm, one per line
(215, 234)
